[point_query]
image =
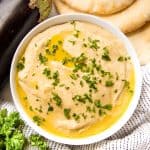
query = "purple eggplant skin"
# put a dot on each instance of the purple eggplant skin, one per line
(16, 19)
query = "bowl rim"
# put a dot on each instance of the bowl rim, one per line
(59, 19)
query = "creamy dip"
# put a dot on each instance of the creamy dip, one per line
(75, 79)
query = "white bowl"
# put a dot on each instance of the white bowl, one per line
(95, 20)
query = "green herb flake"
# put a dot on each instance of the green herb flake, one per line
(101, 112)
(60, 42)
(25, 98)
(47, 73)
(121, 58)
(42, 59)
(20, 64)
(76, 33)
(115, 91)
(50, 108)
(35, 45)
(30, 108)
(36, 87)
(73, 76)
(54, 49)
(67, 87)
(76, 116)
(105, 55)
(107, 106)
(73, 22)
(67, 112)
(57, 99)
(56, 78)
(98, 104)
(38, 120)
(109, 83)
(81, 83)
(72, 42)
(38, 141)
(93, 43)
(79, 99)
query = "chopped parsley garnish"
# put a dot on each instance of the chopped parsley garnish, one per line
(25, 98)
(67, 112)
(85, 45)
(79, 98)
(98, 104)
(117, 76)
(72, 42)
(74, 76)
(35, 45)
(101, 112)
(50, 108)
(48, 42)
(60, 42)
(73, 22)
(105, 55)
(56, 78)
(80, 63)
(107, 106)
(76, 116)
(36, 87)
(38, 120)
(20, 64)
(67, 87)
(88, 109)
(66, 60)
(91, 81)
(42, 59)
(54, 49)
(109, 83)
(88, 97)
(93, 43)
(30, 108)
(83, 99)
(76, 33)
(57, 99)
(115, 91)
(81, 83)
(127, 85)
(47, 73)
(121, 58)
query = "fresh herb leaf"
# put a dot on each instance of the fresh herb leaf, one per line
(56, 78)
(76, 116)
(38, 141)
(107, 106)
(57, 99)
(20, 64)
(42, 59)
(93, 43)
(72, 42)
(98, 104)
(38, 120)
(105, 55)
(109, 83)
(67, 112)
(47, 73)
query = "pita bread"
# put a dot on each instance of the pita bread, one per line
(141, 41)
(128, 20)
(99, 7)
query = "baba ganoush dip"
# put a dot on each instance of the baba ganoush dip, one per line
(75, 79)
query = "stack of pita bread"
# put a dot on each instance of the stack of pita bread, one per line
(131, 16)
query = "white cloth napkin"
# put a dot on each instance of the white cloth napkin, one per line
(134, 135)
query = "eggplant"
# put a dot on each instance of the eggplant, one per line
(16, 19)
